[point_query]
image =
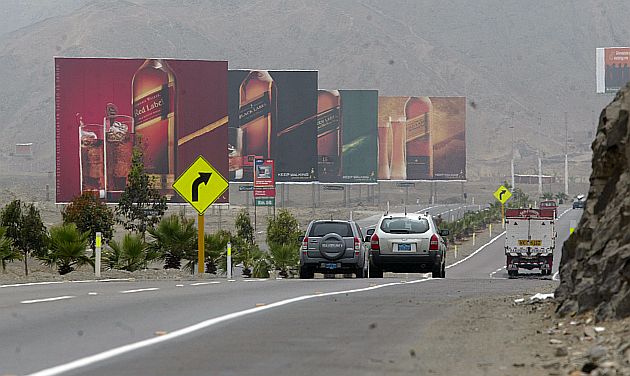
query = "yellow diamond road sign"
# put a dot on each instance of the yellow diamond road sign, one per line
(502, 194)
(200, 185)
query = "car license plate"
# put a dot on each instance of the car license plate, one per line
(404, 247)
(329, 265)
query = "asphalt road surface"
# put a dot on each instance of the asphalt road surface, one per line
(254, 327)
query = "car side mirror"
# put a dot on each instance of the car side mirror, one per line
(301, 238)
(444, 232)
(370, 232)
(367, 238)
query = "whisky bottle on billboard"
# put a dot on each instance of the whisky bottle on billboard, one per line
(256, 117)
(329, 139)
(399, 136)
(418, 111)
(384, 156)
(154, 115)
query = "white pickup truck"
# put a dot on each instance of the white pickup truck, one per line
(530, 239)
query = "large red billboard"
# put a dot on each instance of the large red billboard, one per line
(421, 138)
(174, 110)
(612, 68)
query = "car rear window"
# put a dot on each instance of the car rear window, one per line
(403, 225)
(320, 229)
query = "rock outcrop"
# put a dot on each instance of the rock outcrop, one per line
(595, 266)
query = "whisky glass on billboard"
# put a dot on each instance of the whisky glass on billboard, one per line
(399, 138)
(418, 111)
(154, 116)
(384, 157)
(92, 158)
(256, 117)
(329, 139)
(119, 141)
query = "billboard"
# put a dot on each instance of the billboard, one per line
(612, 68)
(346, 136)
(421, 138)
(174, 110)
(273, 115)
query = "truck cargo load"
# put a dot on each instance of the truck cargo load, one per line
(530, 239)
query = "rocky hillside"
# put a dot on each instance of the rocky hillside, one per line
(515, 61)
(595, 267)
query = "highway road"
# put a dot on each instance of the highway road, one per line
(253, 327)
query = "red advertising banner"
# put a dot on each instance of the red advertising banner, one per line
(264, 192)
(264, 174)
(612, 68)
(174, 110)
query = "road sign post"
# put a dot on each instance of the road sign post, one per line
(200, 243)
(200, 185)
(502, 194)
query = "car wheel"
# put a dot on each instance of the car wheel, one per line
(306, 272)
(360, 273)
(436, 272)
(443, 270)
(512, 273)
(376, 272)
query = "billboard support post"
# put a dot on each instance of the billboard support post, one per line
(313, 197)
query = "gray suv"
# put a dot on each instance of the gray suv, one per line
(333, 247)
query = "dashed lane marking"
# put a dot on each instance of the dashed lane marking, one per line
(139, 290)
(205, 283)
(47, 299)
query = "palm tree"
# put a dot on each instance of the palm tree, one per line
(284, 257)
(248, 255)
(216, 250)
(131, 254)
(174, 239)
(7, 252)
(67, 248)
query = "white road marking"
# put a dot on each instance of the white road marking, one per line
(32, 284)
(556, 276)
(139, 290)
(255, 280)
(495, 272)
(92, 293)
(89, 360)
(205, 283)
(477, 251)
(47, 299)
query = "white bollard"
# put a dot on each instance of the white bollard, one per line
(455, 250)
(490, 230)
(97, 255)
(473, 238)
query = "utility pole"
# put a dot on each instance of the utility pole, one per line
(512, 161)
(566, 155)
(539, 160)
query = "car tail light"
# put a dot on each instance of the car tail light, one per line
(357, 245)
(434, 243)
(305, 244)
(374, 243)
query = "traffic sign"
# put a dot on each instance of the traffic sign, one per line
(502, 194)
(200, 185)
(264, 201)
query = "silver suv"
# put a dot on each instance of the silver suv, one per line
(407, 243)
(333, 247)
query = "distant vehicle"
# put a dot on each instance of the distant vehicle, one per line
(579, 202)
(407, 243)
(333, 247)
(530, 239)
(549, 204)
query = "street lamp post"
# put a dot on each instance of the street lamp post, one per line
(566, 155)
